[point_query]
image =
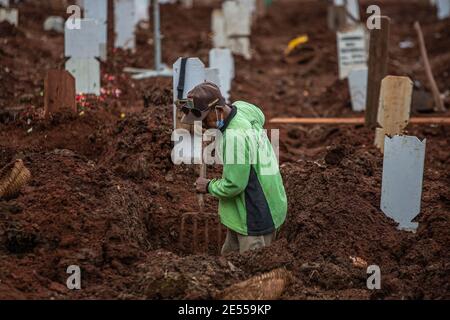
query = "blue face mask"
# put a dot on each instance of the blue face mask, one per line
(220, 124)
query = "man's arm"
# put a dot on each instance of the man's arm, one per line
(236, 172)
(234, 181)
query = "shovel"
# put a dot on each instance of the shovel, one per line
(196, 218)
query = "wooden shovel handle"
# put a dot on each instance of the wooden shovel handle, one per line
(200, 196)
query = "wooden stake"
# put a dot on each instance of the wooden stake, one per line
(434, 88)
(59, 92)
(111, 32)
(394, 109)
(378, 58)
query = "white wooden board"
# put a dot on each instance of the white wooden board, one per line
(83, 42)
(54, 23)
(353, 10)
(212, 75)
(403, 166)
(219, 29)
(124, 14)
(86, 73)
(352, 50)
(443, 9)
(9, 15)
(195, 75)
(357, 81)
(250, 5)
(142, 10)
(223, 60)
(237, 19)
(98, 10)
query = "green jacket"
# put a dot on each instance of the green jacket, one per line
(252, 199)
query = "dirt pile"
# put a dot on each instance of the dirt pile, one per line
(86, 217)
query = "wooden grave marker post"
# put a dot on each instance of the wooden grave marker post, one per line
(98, 10)
(9, 15)
(124, 24)
(352, 51)
(223, 60)
(401, 190)
(394, 108)
(378, 58)
(357, 82)
(443, 9)
(219, 29)
(59, 92)
(195, 74)
(238, 21)
(82, 46)
(212, 75)
(142, 10)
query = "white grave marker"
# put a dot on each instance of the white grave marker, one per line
(98, 10)
(124, 15)
(212, 75)
(87, 74)
(238, 21)
(142, 13)
(54, 23)
(443, 8)
(9, 15)
(250, 5)
(83, 42)
(219, 29)
(82, 46)
(403, 166)
(357, 81)
(223, 60)
(352, 51)
(195, 75)
(352, 7)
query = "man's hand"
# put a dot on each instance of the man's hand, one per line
(202, 185)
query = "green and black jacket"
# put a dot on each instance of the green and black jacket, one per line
(252, 199)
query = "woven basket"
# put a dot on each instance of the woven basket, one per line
(12, 178)
(268, 286)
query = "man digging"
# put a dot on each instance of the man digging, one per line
(252, 199)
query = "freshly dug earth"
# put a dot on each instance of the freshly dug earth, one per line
(106, 196)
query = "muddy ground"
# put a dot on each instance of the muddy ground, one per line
(105, 195)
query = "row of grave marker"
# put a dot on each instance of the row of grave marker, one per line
(86, 43)
(231, 25)
(387, 100)
(363, 71)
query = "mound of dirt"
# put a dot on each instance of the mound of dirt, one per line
(86, 217)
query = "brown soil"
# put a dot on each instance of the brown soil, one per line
(105, 195)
